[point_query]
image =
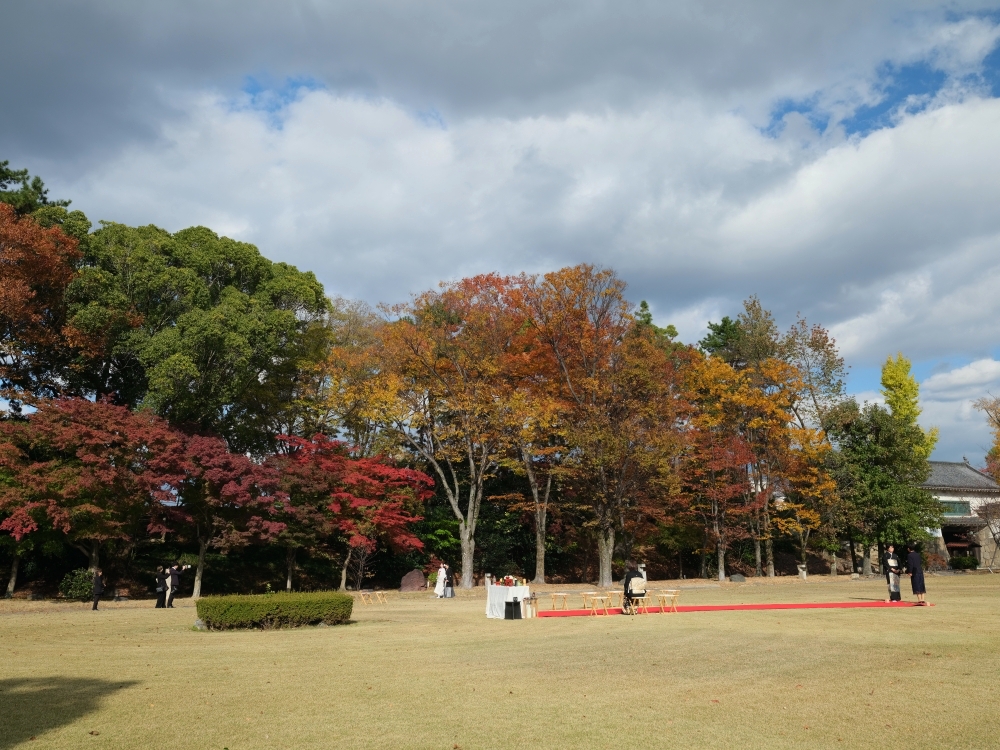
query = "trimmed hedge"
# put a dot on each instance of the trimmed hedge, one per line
(964, 562)
(275, 610)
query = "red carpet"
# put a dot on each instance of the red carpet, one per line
(718, 607)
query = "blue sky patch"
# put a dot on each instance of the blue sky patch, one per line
(908, 87)
(263, 94)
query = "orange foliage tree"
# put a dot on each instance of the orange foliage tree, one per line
(36, 267)
(620, 390)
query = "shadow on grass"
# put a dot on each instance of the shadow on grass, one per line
(31, 706)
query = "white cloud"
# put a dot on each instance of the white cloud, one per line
(635, 153)
(970, 381)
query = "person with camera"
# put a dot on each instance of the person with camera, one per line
(98, 586)
(175, 581)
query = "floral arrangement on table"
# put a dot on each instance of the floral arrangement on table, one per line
(508, 581)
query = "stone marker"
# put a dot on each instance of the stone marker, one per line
(413, 581)
(737, 578)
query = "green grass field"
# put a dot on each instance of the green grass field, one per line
(427, 673)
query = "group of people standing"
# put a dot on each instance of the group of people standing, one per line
(444, 586)
(893, 570)
(168, 583)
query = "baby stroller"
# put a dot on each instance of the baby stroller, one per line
(635, 588)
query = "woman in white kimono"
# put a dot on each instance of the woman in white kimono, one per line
(439, 583)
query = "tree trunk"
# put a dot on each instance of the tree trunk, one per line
(605, 552)
(866, 560)
(540, 514)
(759, 570)
(468, 555)
(854, 551)
(199, 572)
(881, 556)
(290, 562)
(343, 570)
(769, 552)
(703, 573)
(12, 581)
(93, 552)
(720, 547)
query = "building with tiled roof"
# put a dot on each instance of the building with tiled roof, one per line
(963, 491)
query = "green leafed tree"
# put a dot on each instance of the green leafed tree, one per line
(202, 328)
(881, 464)
(25, 193)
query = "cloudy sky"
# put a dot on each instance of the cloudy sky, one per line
(840, 160)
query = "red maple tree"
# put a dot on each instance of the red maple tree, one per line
(361, 500)
(92, 470)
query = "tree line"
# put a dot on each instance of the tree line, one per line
(181, 386)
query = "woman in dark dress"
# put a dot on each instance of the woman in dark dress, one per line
(892, 569)
(161, 587)
(915, 567)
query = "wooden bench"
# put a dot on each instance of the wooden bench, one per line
(640, 603)
(667, 599)
(599, 601)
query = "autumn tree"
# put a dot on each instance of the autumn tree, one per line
(221, 498)
(36, 267)
(619, 387)
(445, 394)
(714, 462)
(902, 396)
(362, 500)
(98, 471)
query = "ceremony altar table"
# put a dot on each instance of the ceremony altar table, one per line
(497, 596)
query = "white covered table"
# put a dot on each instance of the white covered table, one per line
(498, 596)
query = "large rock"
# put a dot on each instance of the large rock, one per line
(413, 581)
(737, 578)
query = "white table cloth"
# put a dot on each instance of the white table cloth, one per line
(497, 596)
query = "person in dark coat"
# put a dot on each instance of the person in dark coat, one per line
(98, 586)
(631, 571)
(175, 581)
(449, 582)
(915, 567)
(892, 569)
(161, 587)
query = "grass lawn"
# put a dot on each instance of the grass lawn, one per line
(427, 673)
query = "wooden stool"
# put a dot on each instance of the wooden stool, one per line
(640, 603)
(556, 599)
(587, 596)
(598, 602)
(380, 598)
(366, 597)
(615, 596)
(668, 598)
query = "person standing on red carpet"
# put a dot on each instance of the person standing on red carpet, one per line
(891, 568)
(915, 567)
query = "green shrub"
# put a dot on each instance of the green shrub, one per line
(78, 584)
(275, 610)
(964, 562)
